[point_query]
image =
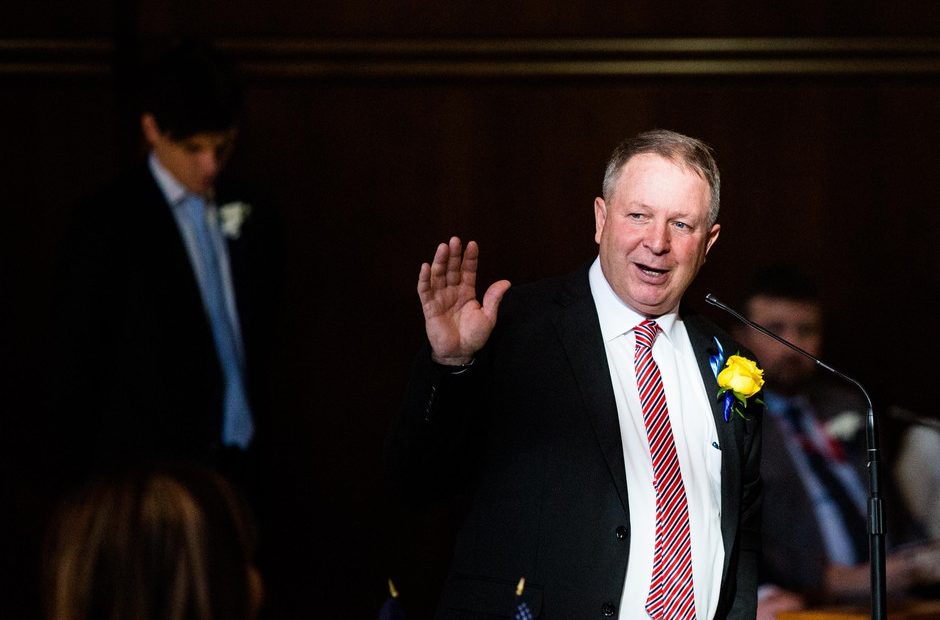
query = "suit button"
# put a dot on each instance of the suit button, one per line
(608, 609)
(621, 533)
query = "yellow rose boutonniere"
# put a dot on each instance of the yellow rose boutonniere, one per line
(739, 380)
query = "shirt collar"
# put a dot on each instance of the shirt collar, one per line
(615, 316)
(173, 190)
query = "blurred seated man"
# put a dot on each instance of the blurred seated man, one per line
(161, 542)
(815, 538)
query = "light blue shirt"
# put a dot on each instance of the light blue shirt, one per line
(174, 192)
(836, 539)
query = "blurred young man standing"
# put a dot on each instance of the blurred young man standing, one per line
(162, 311)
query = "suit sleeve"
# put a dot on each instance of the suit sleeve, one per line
(431, 450)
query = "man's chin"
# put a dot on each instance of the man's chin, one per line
(653, 310)
(656, 305)
(199, 188)
(653, 299)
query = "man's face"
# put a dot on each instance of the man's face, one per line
(653, 233)
(195, 161)
(800, 322)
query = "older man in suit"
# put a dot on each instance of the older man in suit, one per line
(585, 422)
(163, 271)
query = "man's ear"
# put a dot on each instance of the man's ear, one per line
(712, 237)
(150, 129)
(600, 218)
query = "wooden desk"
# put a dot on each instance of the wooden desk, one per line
(920, 610)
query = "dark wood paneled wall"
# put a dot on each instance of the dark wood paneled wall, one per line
(377, 129)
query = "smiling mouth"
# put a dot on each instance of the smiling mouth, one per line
(652, 271)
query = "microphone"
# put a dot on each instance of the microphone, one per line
(876, 527)
(714, 301)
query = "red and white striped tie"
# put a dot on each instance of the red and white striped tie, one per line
(671, 596)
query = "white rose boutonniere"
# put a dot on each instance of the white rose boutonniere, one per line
(232, 216)
(845, 426)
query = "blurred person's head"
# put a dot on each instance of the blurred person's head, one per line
(172, 543)
(784, 300)
(189, 102)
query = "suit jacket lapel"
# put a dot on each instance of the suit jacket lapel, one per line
(580, 333)
(175, 283)
(166, 241)
(730, 434)
(238, 250)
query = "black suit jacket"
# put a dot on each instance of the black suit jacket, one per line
(140, 376)
(532, 431)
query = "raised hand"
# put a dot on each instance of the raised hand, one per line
(457, 325)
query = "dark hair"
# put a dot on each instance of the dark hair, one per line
(190, 90)
(173, 542)
(675, 147)
(783, 281)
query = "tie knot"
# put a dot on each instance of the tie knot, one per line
(646, 333)
(194, 202)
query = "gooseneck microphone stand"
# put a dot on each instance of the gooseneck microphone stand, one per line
(876, 523)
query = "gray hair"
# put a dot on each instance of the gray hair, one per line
(677, 148)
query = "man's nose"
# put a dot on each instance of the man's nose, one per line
(657, 238)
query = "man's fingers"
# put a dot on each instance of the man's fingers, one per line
(493, 297)
(452, 267)
(468, 268)
(439, 266)
(424, 280)
(453, 262)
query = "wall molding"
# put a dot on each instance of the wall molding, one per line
(56, 57)
(510, 58)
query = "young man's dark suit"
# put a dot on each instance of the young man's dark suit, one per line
(143, 377)
(531, 431)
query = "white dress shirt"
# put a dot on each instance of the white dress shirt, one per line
(696, 439)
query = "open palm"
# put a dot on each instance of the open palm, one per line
(457, 324)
